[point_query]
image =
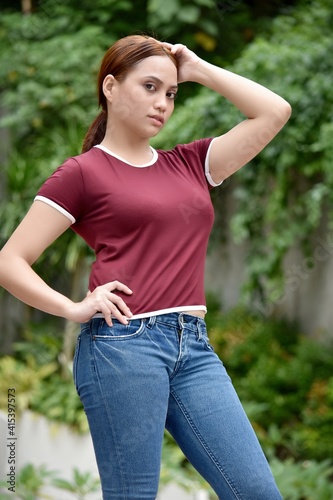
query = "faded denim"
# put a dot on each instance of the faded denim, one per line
(159, 372)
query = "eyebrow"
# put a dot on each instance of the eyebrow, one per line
(151, 77)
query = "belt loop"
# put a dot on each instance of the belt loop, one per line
(181, 321)
(151, 322)
(199, 331)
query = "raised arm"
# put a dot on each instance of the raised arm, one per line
(42, 226)
(266, 112)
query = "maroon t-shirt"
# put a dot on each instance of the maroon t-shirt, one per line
(149, 225)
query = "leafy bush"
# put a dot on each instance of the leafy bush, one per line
(27, 379)
(35, 372)
(32, 479)
(306, 480)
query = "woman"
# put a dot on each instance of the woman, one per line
(143, 361)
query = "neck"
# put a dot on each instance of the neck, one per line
(134, 150)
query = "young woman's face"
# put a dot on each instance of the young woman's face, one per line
(143, 102)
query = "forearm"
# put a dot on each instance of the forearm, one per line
(19, 279)
(251, 98)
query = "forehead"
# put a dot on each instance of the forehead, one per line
(161, 67)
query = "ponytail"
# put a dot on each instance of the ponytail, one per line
(96, 132)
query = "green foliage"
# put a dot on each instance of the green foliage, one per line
(82, 484)
(47, 90)
(40, 341)
(58, 401)
(28, 484)
(27, 379)
(306, 480)
(35, 372)
(31, 480)
(284, 381)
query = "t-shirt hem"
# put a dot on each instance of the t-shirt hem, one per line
(160, 311)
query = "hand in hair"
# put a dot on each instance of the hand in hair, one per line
(187, 61)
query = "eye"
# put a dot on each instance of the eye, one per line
(150, 86)
(172, 95)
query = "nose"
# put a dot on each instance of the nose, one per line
(161, 102)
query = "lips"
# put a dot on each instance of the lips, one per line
(158, 119)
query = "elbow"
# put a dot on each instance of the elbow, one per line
(284, 111)
(280, 114)
(287, 110)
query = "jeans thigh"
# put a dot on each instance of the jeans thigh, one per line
(208, 422)
(125, 395)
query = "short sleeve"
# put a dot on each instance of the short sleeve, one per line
(64, 190)
(201, 149)
(207, 169)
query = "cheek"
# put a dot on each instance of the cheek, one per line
(138, 101)
(170, 109)
(128, 102)
(137, 94)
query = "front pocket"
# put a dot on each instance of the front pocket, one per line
(119, 331)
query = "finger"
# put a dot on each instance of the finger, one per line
(177, 48)
(117, 285)
(112, 304)
(120, 304)
(174, 48)
(108, 319)
(111, 311)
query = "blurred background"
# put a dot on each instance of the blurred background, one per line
(269, 265)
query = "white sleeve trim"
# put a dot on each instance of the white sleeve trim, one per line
(56, 206)
(208, 176)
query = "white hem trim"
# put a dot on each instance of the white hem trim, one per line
(208, 176)
(152, 161)
(160, 311)
(57, 207)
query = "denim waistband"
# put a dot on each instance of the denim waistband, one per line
(175, 319)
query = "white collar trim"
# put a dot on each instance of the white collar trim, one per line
(152, 161)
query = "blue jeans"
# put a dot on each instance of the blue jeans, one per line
(161, 372)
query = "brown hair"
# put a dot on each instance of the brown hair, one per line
(119, 59)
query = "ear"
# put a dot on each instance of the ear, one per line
(108, 85)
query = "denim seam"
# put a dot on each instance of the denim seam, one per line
(204, 445)
(75, 361)
(180, 363)
(115, 448)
